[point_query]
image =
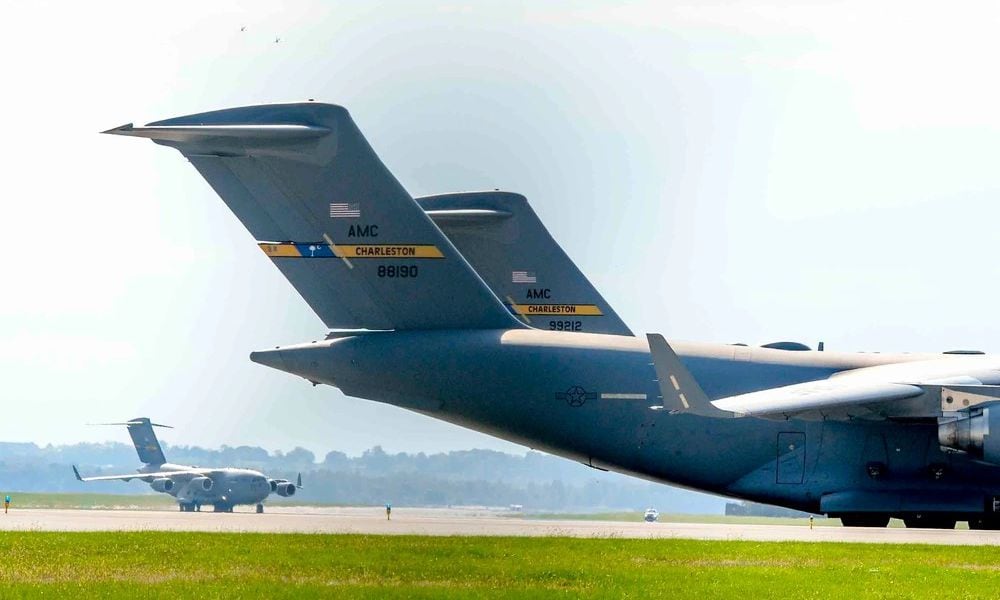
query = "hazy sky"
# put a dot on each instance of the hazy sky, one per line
(727, 171)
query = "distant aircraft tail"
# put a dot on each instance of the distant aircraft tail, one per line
(507, 244)
(143, 437)
(310, 189)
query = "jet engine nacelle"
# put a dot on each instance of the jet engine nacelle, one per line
(163, 484)
(972, 433)
(277, 483)
(286, 488)
(203, 484)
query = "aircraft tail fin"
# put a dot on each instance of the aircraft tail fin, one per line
(144, 438)
(307, 185)
(507, 244)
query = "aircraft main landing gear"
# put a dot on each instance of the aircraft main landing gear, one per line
(930, 521)
(864, 520)
(260, 509)
(987, 522)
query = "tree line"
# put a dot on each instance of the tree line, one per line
(470, 477)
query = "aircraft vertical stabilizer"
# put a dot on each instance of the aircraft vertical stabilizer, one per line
(507, 244)
(322, 206)
(140, 429)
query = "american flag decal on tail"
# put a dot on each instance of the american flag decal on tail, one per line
(342, 210)
(523, 277)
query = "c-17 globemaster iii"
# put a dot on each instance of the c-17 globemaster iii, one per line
(424, 322)
(193, 487)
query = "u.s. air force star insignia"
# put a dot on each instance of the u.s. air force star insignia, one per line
(576, 396)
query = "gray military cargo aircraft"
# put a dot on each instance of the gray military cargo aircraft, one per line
(223, 488)
(448, 307)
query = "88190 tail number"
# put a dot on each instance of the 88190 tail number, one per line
(397, 271)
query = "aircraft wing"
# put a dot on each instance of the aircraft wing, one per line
(137, 475)
(924, 389)
(863, 394)
(824, 399)
(847, 398)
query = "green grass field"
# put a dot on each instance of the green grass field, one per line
(210, 565)
(93, 501)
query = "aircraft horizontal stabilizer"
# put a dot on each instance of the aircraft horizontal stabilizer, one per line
(680, 392)
(194, 133)
(136, 422)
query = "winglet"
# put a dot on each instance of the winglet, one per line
(680, 392)
(77, 473)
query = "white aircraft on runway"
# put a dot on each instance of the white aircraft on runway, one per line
(223, 488)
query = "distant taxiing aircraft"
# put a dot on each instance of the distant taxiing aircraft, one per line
(223, 488)
(462, 308)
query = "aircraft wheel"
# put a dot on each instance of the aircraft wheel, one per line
(260, 509)
(930, 521)
(985, 523)
(864, 520)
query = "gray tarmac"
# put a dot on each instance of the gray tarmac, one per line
(459, 522)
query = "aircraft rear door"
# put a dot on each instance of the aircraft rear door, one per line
(791, 462)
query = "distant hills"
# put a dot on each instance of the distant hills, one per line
(469, 477)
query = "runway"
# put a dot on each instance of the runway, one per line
(458, 522)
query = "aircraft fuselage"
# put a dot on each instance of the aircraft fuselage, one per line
(594, 398)
(229, 486)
